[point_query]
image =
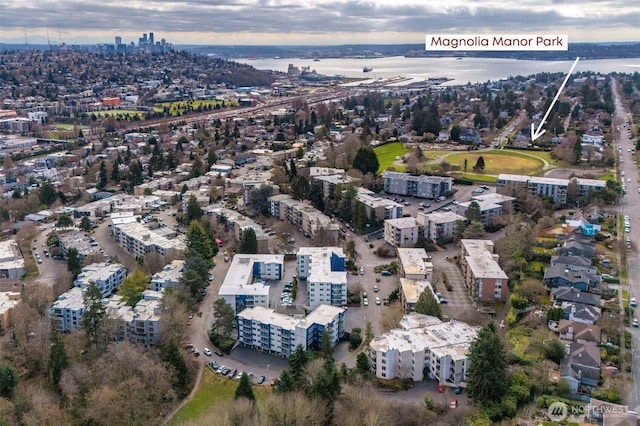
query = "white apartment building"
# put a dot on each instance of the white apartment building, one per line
(86, 246)
(410, 290)
(11, 261)
(483, 276)
(489, 212)
(265, 330)
(324, 270)
(244, 286)
(169, 276)
(378, 207)
(424, 343)
(415, 264)
(401, 232)
(137, 240)
(140, 324)
(107, 277)
(553, 188)
(439, 226)
(68, 309)
(423, 186)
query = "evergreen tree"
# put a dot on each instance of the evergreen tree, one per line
(428, 305)
(473, 212)
(455, 133)
(362, 363)
(115, 173)
(194, 212)
(173, 357)
(103, 178)
(197, 168)
(285, 383)
(479, 164)
(64, 221)
(95, 313)
(85, 224)
(326, 347)
(366, 160)
(299, 188)
(244, 388)
(248, 242)
(73, 262)
(487, 366)
(8, 381)
(47, 194)
(298, 360)
(58, 359)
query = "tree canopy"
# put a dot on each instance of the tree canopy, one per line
(48, 194)
(194, 212)
(248, 242)
(132, 287)
(428, 305)
(366, 160)
(244, 388)
(73, 262)
(259, 198)
(487, 366)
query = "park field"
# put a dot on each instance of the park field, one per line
(498, 161)
(122, 114)
(387, 154)
(213, 389)
(177, 108)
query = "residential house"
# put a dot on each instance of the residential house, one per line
(578, 332)
(581, 365)
(573, 263)
(559, 276)
(569, 294)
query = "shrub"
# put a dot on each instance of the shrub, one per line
(355, 339)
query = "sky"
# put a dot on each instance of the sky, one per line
(311, 22)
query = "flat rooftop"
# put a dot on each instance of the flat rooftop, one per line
(414, 261)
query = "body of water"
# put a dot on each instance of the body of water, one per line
(461, 71)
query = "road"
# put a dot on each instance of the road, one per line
(630, 205)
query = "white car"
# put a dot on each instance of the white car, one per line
(635, 323)
(377, 301)
(633, 303)
(207, 351)
(365, 302)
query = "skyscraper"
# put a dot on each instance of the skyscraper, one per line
(118, 41)
(151, 43)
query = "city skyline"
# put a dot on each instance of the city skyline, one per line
(322, 22)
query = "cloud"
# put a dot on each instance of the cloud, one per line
(204, 21)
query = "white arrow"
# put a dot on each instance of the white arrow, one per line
(535, 134)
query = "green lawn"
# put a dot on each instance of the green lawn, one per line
(499, 161)
(608, 176)
(180, 107)
(213, 389)
(387, 154)
(123, 114)
(69, 127)
(477, 177)
(625, 296)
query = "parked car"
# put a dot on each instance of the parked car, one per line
(458, 390)
(361, 270)
(633, 302)
(261, 380)
(378, 301)
(218, 352)
(635, 323)
(453, 403)
(365, 302)
(207, 351)
(375, 288)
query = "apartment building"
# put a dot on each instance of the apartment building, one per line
(68, 309)
(377, 207)
(11, 260)
(86, 246)
(140, 324)
(137, 240)
(8, 301)
(107, 277)
(263, 329)
(439, 226)
(410, 291)
(424, 344)
(415, 264)
(302, 215)
(237, 223)
(244, 286)
(553, 188)
(331, 182)
(489, 212)
(201, 196)
(401, 232)
(431, 187)
(324, 270)
(169, 276)
(483, 276)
